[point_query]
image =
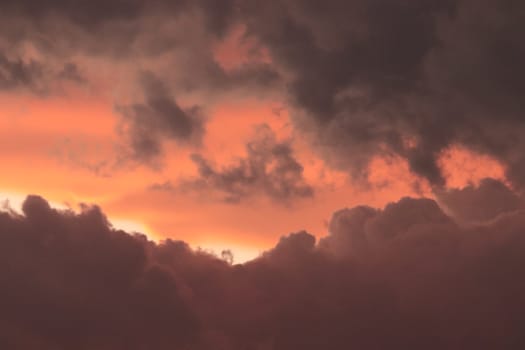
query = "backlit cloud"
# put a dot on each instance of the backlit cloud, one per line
(404, 276)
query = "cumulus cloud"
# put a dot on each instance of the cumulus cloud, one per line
(69, 280)
(406, 276)
(483, 202)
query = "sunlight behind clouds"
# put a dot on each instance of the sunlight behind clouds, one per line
(241, 253)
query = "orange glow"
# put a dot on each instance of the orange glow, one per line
(463, 167)
(49, 144)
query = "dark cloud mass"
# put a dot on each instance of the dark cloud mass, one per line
(93, 14)
(269, 167)
(486, 201)
(69, 281)
(368, 78)
(370, 75)
(365, 78)
(404, 277)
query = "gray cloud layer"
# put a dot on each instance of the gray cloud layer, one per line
(403, 277)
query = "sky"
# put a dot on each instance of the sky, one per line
(373, 148)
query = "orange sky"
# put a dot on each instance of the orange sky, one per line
(49, 145)
(65, 146)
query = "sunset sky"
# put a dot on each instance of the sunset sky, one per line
(110, 111)
(230, 124)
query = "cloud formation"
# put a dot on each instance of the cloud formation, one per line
(71, 281)
(406, 78)
(16, 73)
(406, 276)
(269, 167)
(112, 42)
(484, 202)
(157, 119)
(366, 78)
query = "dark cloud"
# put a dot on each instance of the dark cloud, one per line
(403, 277)
(486, 201)
(18, 73)
(367, 76)
(69, 280)
(175, 41)
(92, 15)
(115, 29)
(37, 76)
(269, 167)
(157, 119)
(71, 72)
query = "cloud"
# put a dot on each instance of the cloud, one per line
(406, 276)
(366, 77)
(71, 72)
(105, 44)
(70, 280)
(38, 76)
(157, 119)
(17, 73)
(486, 201)
(269, 167)
(95, 14)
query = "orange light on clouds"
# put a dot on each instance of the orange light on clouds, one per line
(462, 167)
(48, 145)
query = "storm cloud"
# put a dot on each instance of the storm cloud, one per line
(405, 78)
(360, 79)
(406, 276)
